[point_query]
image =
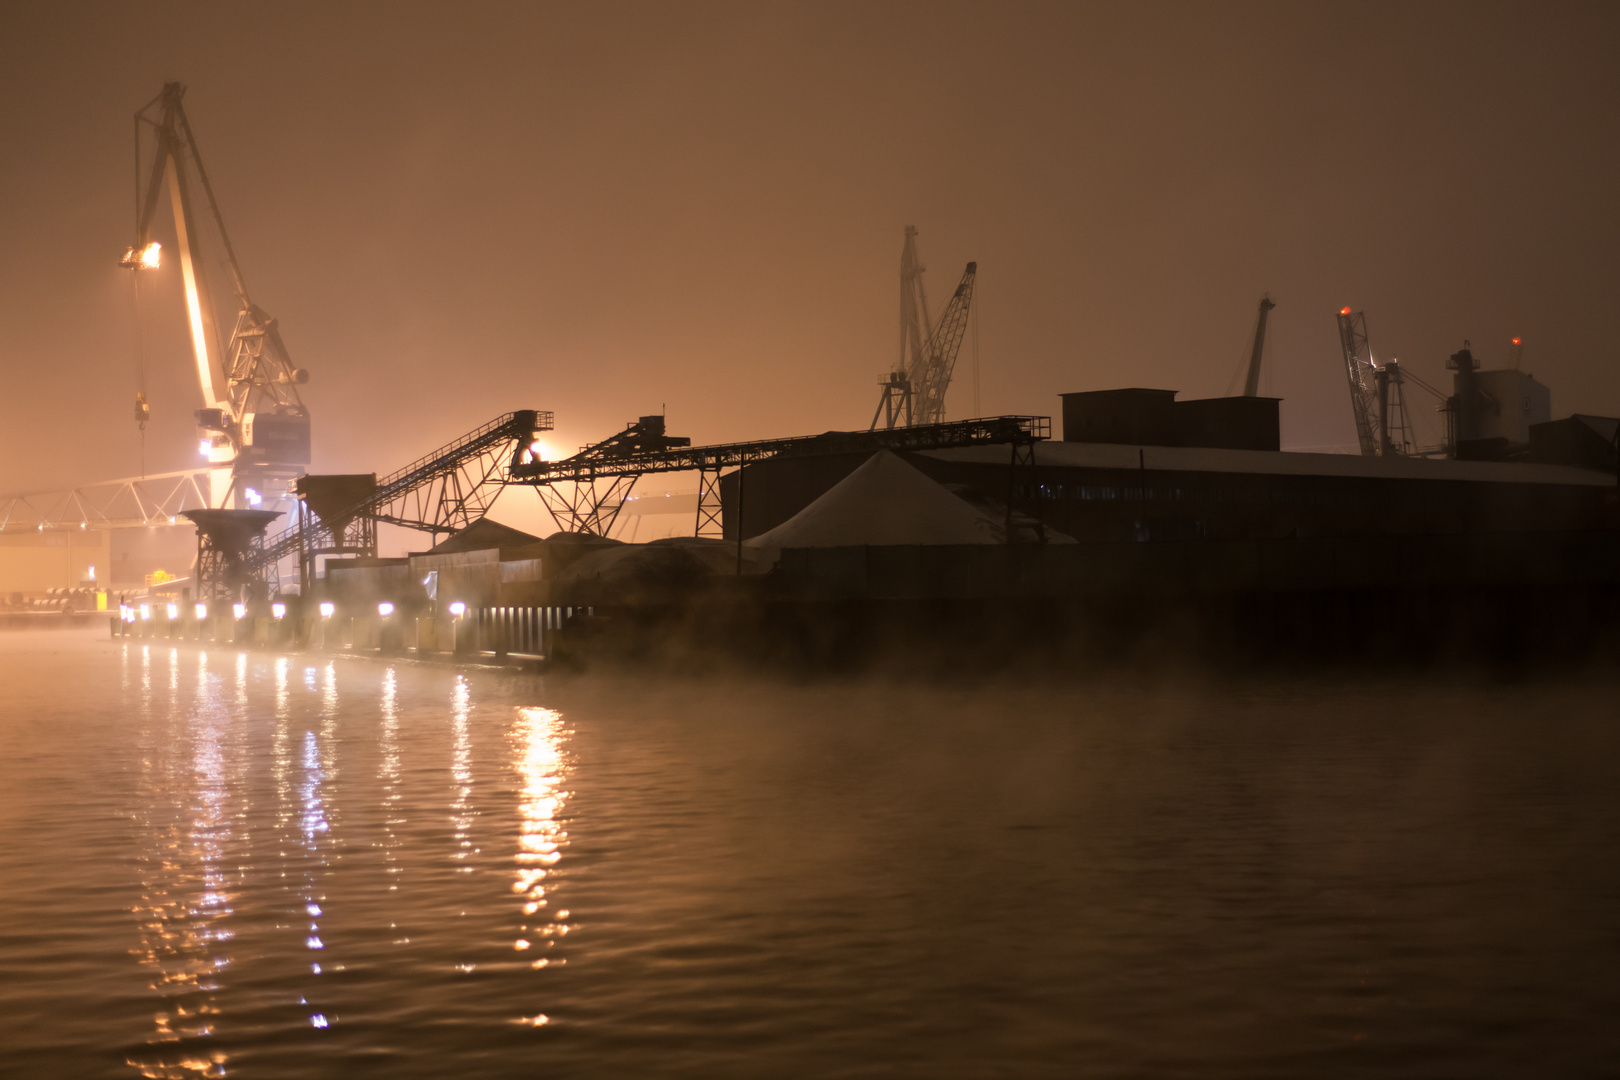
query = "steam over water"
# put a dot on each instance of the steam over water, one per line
(221, 863)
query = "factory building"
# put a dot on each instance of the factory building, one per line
(1137, 465)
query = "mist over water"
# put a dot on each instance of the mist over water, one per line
(223, 863)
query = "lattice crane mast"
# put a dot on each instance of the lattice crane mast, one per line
(1377, 393)
(256, 426)
(1362, 373)
(914, 393)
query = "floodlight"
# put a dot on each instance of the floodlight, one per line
(144, 258)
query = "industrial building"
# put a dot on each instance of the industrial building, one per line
(1146, 507)
(1136, 465)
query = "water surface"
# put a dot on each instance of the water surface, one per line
(218, 863)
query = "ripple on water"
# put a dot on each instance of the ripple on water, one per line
(223, 863)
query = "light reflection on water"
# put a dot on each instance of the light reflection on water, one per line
(1317, 878)
(538, 737)
(186, 897)
(295, 731)
(388, 773)
(461, 806)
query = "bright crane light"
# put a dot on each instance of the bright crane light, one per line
(174, 612)
(458, 609)
(145, 258)
(327, 609)
(202, 611)
(239, 610)
(278, 610)
(385, 609)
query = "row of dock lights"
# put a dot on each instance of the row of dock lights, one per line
(131, 613)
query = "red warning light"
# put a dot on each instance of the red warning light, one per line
(1344, 311)
(1515, 341)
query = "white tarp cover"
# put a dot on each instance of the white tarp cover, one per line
(885, 501)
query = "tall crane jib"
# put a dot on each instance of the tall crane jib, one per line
(1251, 382)
(1362, 375)
(914, 393)
(254, 426)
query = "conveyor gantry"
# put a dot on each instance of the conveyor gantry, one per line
(442, 492)
(603, 474)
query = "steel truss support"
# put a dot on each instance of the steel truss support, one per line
(358, 537)
(709, 508)
(589, 505)
(451, 499)
(226, 575)
(1022, 477)
(443, 492)
(894, 408)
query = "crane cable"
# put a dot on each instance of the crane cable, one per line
(143, 411)
(976, 312)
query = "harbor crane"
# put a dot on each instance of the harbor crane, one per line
(253, 424)
(914, 392)
(1378, 396)
(1362, 373)
(1251, 383)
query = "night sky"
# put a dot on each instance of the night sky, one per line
(611, 210)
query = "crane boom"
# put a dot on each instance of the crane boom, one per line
(257, 425)
(933, 372)
(914, 392)
(1251, 385)
(168, 171)
(914, 318)
(1362, 374)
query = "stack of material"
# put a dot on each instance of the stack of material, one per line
(483, 535)
(886, 502)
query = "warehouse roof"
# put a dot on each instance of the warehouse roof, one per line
(1284, 463)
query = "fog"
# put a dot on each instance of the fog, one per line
(458, 211)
